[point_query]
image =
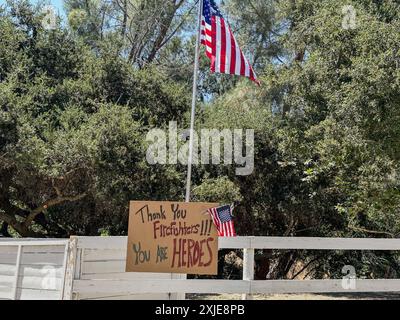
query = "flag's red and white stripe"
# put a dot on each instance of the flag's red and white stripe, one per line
(225, 229)
(223, 50)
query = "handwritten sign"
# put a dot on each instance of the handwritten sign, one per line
(171, 237)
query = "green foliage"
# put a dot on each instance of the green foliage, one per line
(72, 125)
(219, 190)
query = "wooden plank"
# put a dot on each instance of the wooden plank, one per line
(17, 266)
(287, 243)
(41, 283)
(323, 286)
(103, 243)
(78, 263)
(8, 258)
(70, 268)
(31, 249)
(31, 282)
(54, 259)
(5, 240)
(7, 269)
(324, 243)
(234, 242)
(33, 294)
(32, 242)
(28, 270)
(78, 269)
(266, 243)
(52, 284)
(45, 249)
(6, 282)
(6, 287)
(178, 295)
(6, 292)
(113, 266)
(32, 256)
(151, 296)
(125, 276)
(40, 271)
(104, 254)
(160, 286)
(8, 249)
(233, 286)
(64, 268)
(248, 269)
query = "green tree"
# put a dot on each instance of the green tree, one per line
(72, 125)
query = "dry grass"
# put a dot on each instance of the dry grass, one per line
(353, 296)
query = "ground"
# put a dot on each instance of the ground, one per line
(333, 296)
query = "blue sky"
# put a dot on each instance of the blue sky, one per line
(56, 3)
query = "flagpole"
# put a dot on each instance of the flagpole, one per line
(194, 98)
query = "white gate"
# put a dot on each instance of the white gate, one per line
(32, 269)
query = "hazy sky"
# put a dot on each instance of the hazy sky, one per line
(56, 3)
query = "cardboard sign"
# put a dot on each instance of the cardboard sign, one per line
(171, 237)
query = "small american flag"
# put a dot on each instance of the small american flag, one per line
(223, 220)
(221, 46)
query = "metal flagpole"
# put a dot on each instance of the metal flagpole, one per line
(194, 97)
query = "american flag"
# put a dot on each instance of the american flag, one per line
(221, 45)
(223, 220)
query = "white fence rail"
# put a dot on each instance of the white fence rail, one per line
(94, 268)
(247, 286)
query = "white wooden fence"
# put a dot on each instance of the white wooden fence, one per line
(94, 269)
(95, 259)
(32, 269)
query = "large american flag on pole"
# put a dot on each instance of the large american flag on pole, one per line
(223, 220)
(221, 46)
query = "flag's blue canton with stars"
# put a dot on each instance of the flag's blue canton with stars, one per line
(224, 214)
(223, 220)
(221, 46)
(210, 9)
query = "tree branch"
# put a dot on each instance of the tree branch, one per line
(370, 231)
(51, 203)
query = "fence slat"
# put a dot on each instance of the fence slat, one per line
(324, 243)
(324, 286)
(17, 265)
(70, 269)
(101, 243)
(33, 294)
(233, 286)
(126, 276)
(248, 269)
(161, 285)
(32, 242)
(284, 243)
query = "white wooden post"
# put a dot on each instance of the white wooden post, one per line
(66, 251)
(178, 295)
(70, 268)
(17, 266)
(248, 269)
(78, 269)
